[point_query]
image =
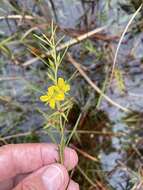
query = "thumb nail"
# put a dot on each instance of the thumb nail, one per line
(53, 177)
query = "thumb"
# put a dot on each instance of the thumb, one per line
(52, 177)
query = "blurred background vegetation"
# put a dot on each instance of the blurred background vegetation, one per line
(108, 140)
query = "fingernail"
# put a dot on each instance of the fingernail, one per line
(53, 178)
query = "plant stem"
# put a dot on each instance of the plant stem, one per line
(62, 143)
(55, 62)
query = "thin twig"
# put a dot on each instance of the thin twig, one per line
(28, 32)
(119, 134)
(86, 177)
(3, 140)
(74, 129)
(85, 154)
(120, 41)
(104, 133)
(10, 78)
(66, 44)
(28, 17)
(93, 85)
(94, 184)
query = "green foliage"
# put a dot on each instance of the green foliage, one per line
(4, 46)
(58, 118)
(88, 45)
(120, 80)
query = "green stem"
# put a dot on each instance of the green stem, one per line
(62, 143)
(56, 73)
(55, 59)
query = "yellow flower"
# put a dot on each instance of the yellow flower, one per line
(49, 97)
(56, 93)
(62, 85)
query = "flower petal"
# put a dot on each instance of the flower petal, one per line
(44, 98)
(52, 103)
(62, 85)
(67, 87)
(60, 96)
(57, 89)
(51, 90)
(61, 82)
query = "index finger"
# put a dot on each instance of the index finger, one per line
(25, 158)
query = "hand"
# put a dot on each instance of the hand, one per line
(35, 167)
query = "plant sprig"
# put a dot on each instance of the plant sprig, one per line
(57, 96)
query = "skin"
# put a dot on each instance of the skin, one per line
(36, 167)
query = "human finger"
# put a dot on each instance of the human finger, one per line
(25, 158)
(73, 185)
(6, 184)
(52, 177)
